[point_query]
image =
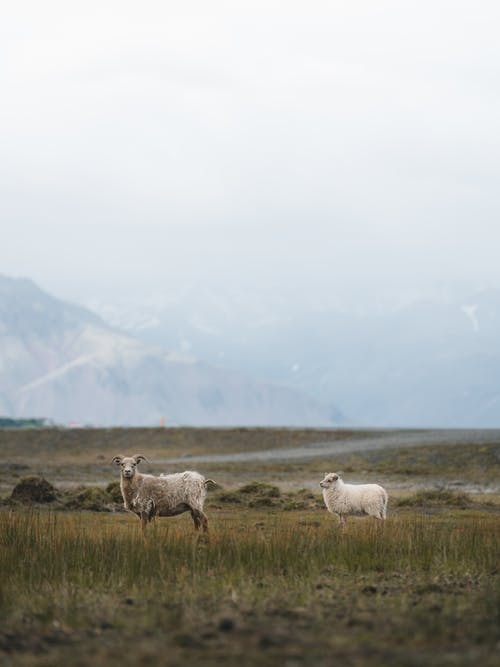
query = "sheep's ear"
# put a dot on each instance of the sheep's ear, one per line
(139, 457)
(117, 460)
(340, 474)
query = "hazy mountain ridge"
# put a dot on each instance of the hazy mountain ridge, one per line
(61, 361)
(429, 361)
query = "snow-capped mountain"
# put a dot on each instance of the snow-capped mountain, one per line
(62, 362)
(431, 360)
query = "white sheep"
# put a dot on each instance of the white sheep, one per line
(353, 499)
(168, 495)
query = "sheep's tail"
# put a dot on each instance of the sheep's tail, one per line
(210, 481)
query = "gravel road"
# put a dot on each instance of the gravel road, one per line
(373, 440)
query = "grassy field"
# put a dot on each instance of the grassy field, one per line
(275, 583)
(80, 456)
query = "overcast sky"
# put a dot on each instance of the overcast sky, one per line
(299, 143)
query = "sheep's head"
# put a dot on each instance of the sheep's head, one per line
(330, 479)
(128, 464)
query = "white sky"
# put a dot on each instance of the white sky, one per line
(337, 142)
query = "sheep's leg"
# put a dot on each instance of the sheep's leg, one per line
(342, 522)
(200, 520)
(150, 509)
(144, 522)
(196, 519)
(204, 522)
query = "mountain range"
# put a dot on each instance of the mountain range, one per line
(62, 362)
(429, 360)
(202, 356)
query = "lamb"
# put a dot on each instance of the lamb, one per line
(353, 499)
(149, 496)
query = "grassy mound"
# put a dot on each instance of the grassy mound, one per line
(258, 494)
(441, 497)
(114, 491)
(90, 498)
(38, 491)
(33, 490)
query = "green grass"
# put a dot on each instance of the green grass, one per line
(276, 583)
(265, 587)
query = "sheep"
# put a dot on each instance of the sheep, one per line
(149, 496)
(353, 499)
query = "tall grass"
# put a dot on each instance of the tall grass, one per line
(38, 549)
(68, 578)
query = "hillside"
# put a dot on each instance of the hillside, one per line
(62, 362)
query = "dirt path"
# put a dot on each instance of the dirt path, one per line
(383, 440)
